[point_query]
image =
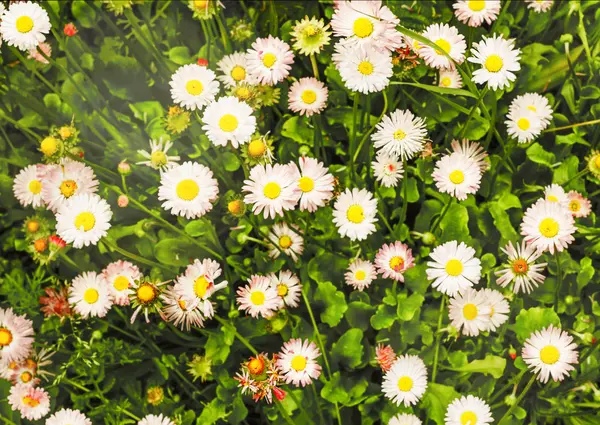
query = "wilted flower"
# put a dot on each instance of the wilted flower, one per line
(56, 303)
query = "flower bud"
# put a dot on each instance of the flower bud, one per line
(510, 400)
(33, 226)
(202, 62)
(97, 334)
(155, 395)
(304, 150)
(569, 299)
(512, 353)
(50, 145)
(123, 201)
(40, 245)
(70, 29)
(124, 168)
(428, 238)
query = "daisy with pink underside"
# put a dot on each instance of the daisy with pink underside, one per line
(259, 298)
(578, 205)
(521, 268)
(119, 276)
(297, 362)
(476, 12)
(548, 226)
(16, 336)
(360, 274)
(33, 403)
(307, 96)
(314, 181)
(392, 260)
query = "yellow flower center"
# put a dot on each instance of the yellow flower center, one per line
(470, 311)
(306, 184)
(187, 189)
(549, 227)
(549, 354)
(523, 123)
(520, 266)
(256, 366)
(121, 283)
(65, 132)
(31, 402)
(399, 135)
(355, 214)
(457, 177)
(91, 295)
(360, 275)
(446, 81)
(49, 146)
(282, 290)
(200, 4)
(33, 226)
(454, 267)
(243, 93)
(68, 188)
(85, 220)
(235, 207)
(238, 73)
(257, 148)
(405, 384)
(574, 205)
(26, 377)
(476, 6)
(269, 60)
(285, 242)
(24, 24)
(182, 304)
(5, 337)
(228, 123)
(552, 198)
(532, 108)
(365, 68)
(309, 97)
(272, 190)
(362, 27)
(396, 263)
(597, 161)
(201, 286)
(494, 63)
(146, 293)
(444, 45)
(194, 87)
(158, 158)
(257, 298)
(299, 363)
(35, 186)
(310, 30)
(468, 417)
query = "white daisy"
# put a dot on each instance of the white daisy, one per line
(307, 96)
(193, 86)
(454, 268)
(354, 214)
(283, 238)
(392, 260)
(469, 312)
(499, 308)
(521, 268)
(387, 170)
(473, 151)
(181, 310)
(259, 297)
(468, 410)
(551, 353)
(578, 205)
(297, 362)
(28, 187)
(523, 125)
(406, 381)
(548, 226)
(198, 283)
(405, 419)
(288, 287)
(536, 103)
(360, 274)
(272, 188)
(449, 41)
(24, 373)
(363, 69)
(555, 193)
(234, 69)
(16, 336)
(155, 420)
(83, 220)
(119, 277)
(68, 416)
(450, 78)
(498, 59)
(33, 403)
(157, 157)
(64, 181)
(269, 60)
(90, 295)
(24, 24)
(476, 12)
(400, 133)
(539, 6)
(315, 183)
(229, 120)
(457, 175)
(188, 190)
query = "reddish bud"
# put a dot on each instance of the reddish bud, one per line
(202, 62)
(70, 29)
(512, 353)
(57, 241)
(279, 393)
(40, 245)
(123, 201)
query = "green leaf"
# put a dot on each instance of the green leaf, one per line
(295, 128)
(348, 350)
(180, 55)
(334, 300)
(173, 252)
(490, 365)
(84, 14)
(231, 161)
(212, 413)
(534, 319)
(436, 400)
(437, 89)
(408, 307)
(358, 314)
(537, 154)
(384, 317)
(454, 225)
(585, 274)
(333, 391)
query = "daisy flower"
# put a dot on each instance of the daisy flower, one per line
(548, 226)
(68, 416)
(449, 40)
(119, 277)
(354, 214)
(579, 205)
(307, 96)
(24, 24)
(157, 158)
(593, 163)
(193, 86)
(297, 362)
(83, 220)
(536, 103)
(550, 353)
(468, 410)
(475, 12)
(269, 60)
(155, 420)
(405, 419)
(198, 283)
(363, 69)
(360, 274)
(259, 297)
(63, 182)
(234, 69)
(498, 58)
(204, 9)
(90, 295)
(24, 374)
(555, 193)
(310, 35)
(457, 175)
(188, 190)
(523, 125)
(145, 295)
(392, 260)
(228, 120)
(283, 238)
(406, 381)
(385, 356)
(259, 150)
(470, 312)
(539, 6)
(450, 78)
(33, 403)
(271, 189)
(16, 336)
(181, 311)
(28, 187)
(315, 183)
(454, 268)
(400, 134)
(45, 48)
(387, 170)
(521, 268)
(499, 308)
(288, 287)
(473, 151)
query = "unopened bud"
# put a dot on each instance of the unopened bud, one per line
(510, 400)
(70, 29)
(304, 150)
(124, 168)
(202, 62)
(40, 245)
(428, 238)
(123, 201)
(569, 299)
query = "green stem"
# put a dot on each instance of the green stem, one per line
(511, 383)
(318, 134)
(315, 68)
(368, 133)
(441, 216)
(519, 398)
(354, 128)
(224, 35)
(300, 406)
(237, 334)
(438, 338)
(134, 257)
(576, 176)
(285, 415)
(566, 127)
(316, 399)
(559, 276)
(404, 192)
(472, 111)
